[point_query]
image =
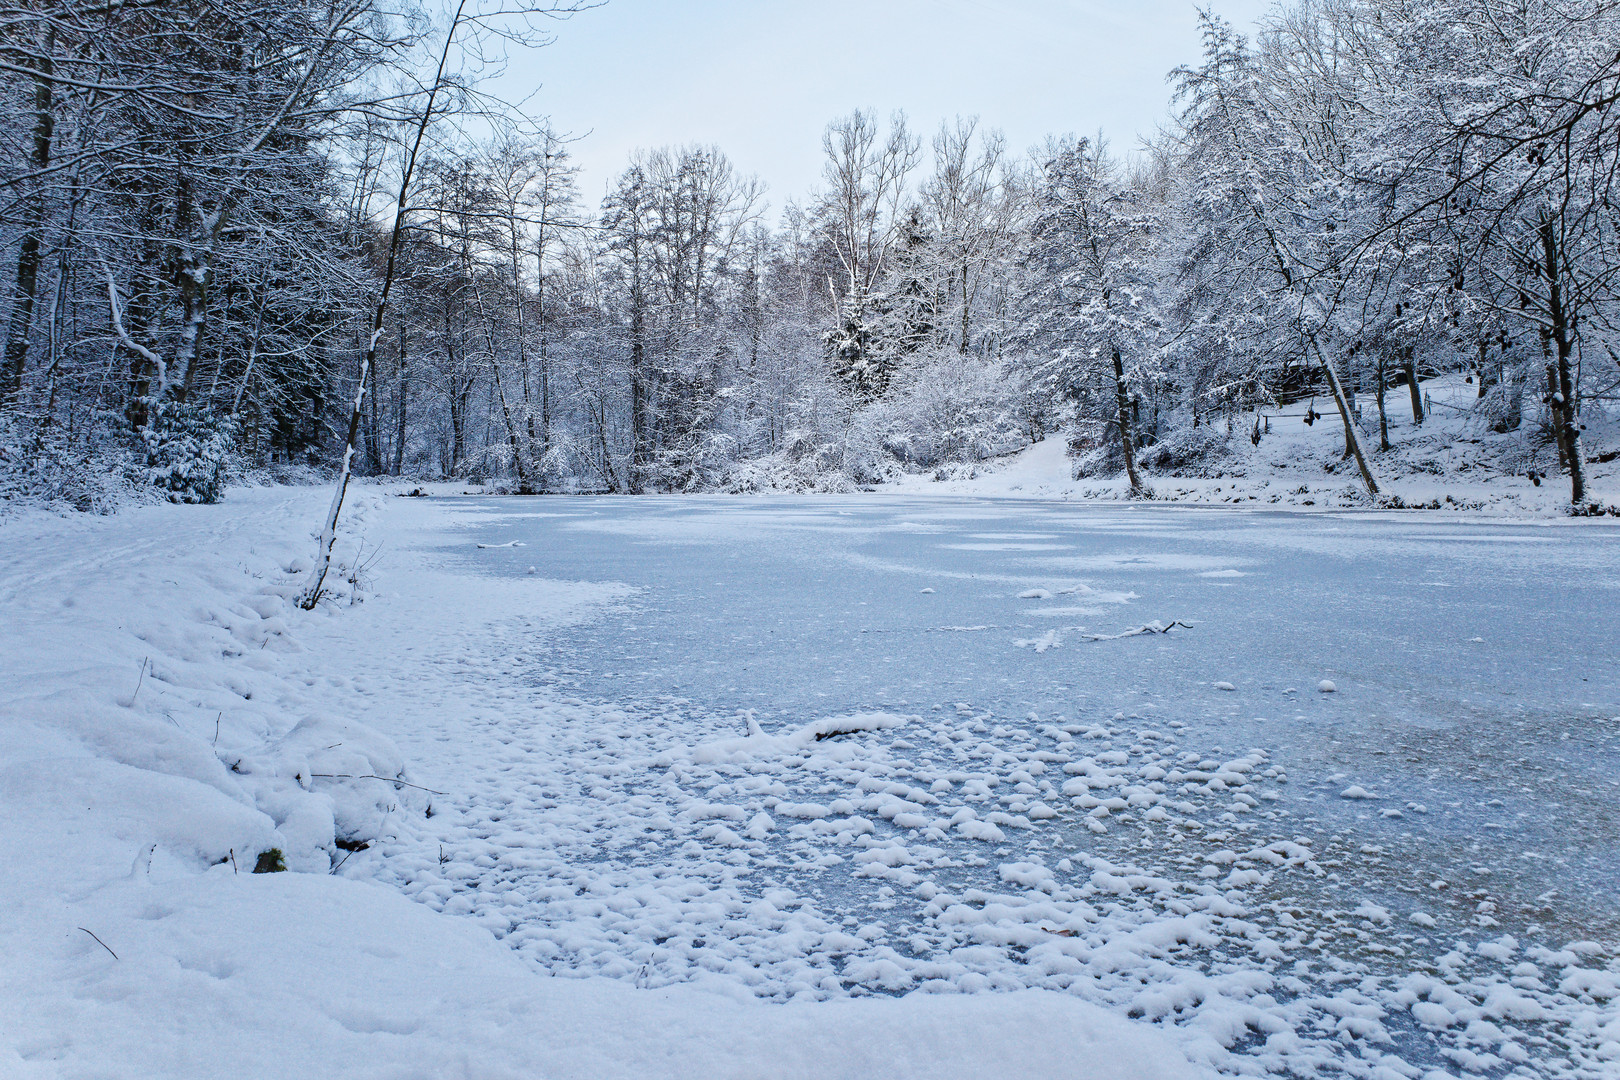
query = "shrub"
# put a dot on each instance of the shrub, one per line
(187, 451)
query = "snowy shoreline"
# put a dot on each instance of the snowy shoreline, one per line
(1446, 464)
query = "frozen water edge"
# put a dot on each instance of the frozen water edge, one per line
(169, 713)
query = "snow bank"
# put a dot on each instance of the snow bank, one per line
(278, 975)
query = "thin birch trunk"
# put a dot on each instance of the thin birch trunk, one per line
(312, 594)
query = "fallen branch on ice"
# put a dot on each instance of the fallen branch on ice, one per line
(1154, 627)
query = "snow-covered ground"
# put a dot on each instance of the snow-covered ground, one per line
(865, 786)
(1452, 461)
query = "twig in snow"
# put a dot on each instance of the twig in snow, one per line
(103, 944)
(138, 682)
(369, 776)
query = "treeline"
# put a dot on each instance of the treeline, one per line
(198, 199)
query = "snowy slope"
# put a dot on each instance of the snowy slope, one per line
(169, 716)
(1449, 462)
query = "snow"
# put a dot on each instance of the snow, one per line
(1451, 461)
(710, 793)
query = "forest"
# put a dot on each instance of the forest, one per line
(302, 239)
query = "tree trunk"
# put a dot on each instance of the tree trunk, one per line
(1409, 365)
(520, 452)
(458, 416)
(373, 433)
(1555, 418)
(519, 465)
(640, 450)
(403, 390)
(29, 257)
(193, 280)
(1561, 331)
(1383, 417)
(253, 351)
(965, 313)
(1349, 421)
(1122, 401)
(1349, 442)
(312, 595)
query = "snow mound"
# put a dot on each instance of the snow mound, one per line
(758, 745)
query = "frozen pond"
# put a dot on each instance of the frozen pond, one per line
(1181, 823)
(1477, 664)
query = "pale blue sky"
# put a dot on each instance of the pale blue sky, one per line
(761, 78)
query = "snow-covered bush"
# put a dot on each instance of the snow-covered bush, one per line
(950, 408)
(1095, 458)
(45, 465)
(1205, 450)
(1502, 408)
(819, 471)
(188, 450)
